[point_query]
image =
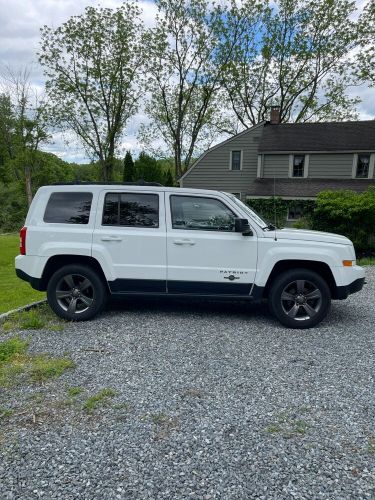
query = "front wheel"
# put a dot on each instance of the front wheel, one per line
(76, 293)
(299, 298)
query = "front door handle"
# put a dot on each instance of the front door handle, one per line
(184, 242)
(111, 238)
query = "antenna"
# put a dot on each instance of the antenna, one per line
(274, 203)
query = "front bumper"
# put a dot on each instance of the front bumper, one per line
(343, 292)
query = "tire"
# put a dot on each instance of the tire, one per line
(76, 293)
(299, 298)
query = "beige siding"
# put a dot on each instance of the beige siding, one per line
(212, 171)
(331, 166)
(276, 166)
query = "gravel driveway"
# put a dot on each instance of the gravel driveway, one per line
(212, 401)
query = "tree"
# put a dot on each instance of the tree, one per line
(24, 128)
(168, 178)
(366, 56)
(183, 79)
(129, 170)
(92, 63)
(295, 55)
(147, 169)
(7, 131)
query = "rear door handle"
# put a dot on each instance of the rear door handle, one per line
(184, 242)
(111, 238)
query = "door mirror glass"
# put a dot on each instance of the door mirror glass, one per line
(242, 226)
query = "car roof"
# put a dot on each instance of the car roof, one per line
(150, 187)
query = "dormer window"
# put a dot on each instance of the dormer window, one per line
(363, 164)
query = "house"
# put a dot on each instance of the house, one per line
(293, 161)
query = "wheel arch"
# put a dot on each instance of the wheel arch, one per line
(57, 261)
(320, 268)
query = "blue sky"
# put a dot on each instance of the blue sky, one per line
(20, 21)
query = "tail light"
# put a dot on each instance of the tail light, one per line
(23, 241)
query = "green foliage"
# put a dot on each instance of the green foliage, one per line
(272, 209)
(348, 213)
(102, 398)
(11, 347)
(168, 179)
(74, 391)
(35, 319)
(13, 207)
(129, 168)
(148, 169)
(366, 261)
(183, 80)
(293, 54)
(94, 88)
(44, 367)
(16, 365)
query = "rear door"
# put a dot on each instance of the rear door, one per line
(130, 238)
(205, 255)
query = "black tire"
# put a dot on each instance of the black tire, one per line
(76, 293)
(299, 298)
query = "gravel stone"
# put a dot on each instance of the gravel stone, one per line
(213, 400)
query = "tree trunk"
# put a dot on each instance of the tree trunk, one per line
(29, 193)
(105, 169)
(177, 161)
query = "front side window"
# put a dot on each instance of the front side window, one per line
(68, 208)
(363, 163)
(235, 163)
(299, 166)
(131, 210)
(206, 214)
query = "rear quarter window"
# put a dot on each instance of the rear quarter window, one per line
(68, 208)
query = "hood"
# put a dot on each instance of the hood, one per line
(307, 235)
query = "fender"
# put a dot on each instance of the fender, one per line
(271, 252)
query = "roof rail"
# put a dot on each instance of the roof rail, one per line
(140, 182)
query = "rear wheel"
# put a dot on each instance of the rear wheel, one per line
(76, 293)
(299, 298)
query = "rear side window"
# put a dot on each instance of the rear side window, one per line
(131, 210)
(68, 208)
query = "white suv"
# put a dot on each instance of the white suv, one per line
(84, 242)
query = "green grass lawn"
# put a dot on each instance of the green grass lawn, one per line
(13, 291)
(366, 261)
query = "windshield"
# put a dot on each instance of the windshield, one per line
(254, 216)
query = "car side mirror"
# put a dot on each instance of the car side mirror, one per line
(242, 226)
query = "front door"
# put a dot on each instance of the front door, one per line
(130, 240)
(204, 254)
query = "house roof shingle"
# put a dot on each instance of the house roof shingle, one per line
(331, 136)
(305, 188)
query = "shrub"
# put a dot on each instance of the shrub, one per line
(277, 208)
(348, 213)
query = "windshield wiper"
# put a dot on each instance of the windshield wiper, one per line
(270, 227)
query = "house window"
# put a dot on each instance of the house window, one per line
(363, 163)
(298, 166)
(235, 160)
(295, 211)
